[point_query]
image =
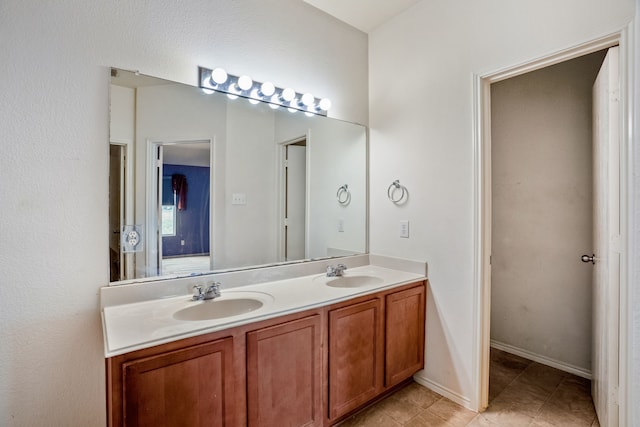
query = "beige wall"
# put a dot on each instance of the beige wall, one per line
(422, 66)
(54, 119)
(542, 212)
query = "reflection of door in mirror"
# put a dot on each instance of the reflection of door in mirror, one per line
(120, 207)
(179, 237)
(116, 195)
(295, 200)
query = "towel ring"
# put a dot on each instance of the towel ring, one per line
(343, 194)
(395, 185)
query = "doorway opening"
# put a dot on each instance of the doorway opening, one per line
(293, 200)
(542, 221)
(116, 210)
(485, 217)
(121, 207)
(179, 210)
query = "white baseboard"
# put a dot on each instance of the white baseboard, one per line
(443, 391)
(563, 366)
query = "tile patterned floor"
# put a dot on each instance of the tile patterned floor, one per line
(521, 393)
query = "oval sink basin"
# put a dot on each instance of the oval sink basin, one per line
(224, 306)
(354, 281)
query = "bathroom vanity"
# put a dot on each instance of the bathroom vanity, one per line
(284, 344)
(317, 350)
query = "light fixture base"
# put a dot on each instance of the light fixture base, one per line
(274, 96)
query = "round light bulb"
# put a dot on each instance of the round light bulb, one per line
(219, 76)
(208, 91)
(254, 98)
(293, 105)
(267, 89)
(325, 104)
(307, 99)
(288, 94)
(233, 91)
(274, 101)
(308, 114)
(245, 82)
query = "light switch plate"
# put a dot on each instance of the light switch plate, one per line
(404, 228)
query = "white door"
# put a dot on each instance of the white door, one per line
(154, 247)
(295, 209)
(606, 269)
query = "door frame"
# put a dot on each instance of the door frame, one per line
(127, 202)
(152, 215)
(482, 204)
(281, 192)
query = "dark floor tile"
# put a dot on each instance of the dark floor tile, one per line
(542, 378)
(509, 360)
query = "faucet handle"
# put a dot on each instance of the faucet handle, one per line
(198, 293)
(212, 291)
(340, 269)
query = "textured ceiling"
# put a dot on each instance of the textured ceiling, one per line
(365, 15)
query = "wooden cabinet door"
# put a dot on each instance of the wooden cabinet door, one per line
(187, 387)
(284, 374)
(355, 359)
(404, 332)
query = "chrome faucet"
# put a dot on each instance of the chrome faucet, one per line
(336, 271)
(210, 292)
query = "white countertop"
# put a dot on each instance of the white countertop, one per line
(134, 326)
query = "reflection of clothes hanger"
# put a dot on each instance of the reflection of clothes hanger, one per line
(180, 187)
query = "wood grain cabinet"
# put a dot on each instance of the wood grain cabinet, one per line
(404, 334)
(374, 345)
(355, 359)
(186, 387)
(311, 368)
(284, 374)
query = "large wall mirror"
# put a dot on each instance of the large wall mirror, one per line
(200, 183)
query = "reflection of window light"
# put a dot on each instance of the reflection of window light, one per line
(168, 220)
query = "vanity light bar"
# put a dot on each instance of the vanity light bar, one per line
(217, 80)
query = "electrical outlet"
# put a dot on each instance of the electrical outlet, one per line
(238, 199)
(404, 228)
(181, 242)
(341, 225)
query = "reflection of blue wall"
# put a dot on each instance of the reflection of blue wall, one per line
(192, 224)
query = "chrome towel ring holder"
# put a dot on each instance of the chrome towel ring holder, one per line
(393, 189)
(343, 195)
